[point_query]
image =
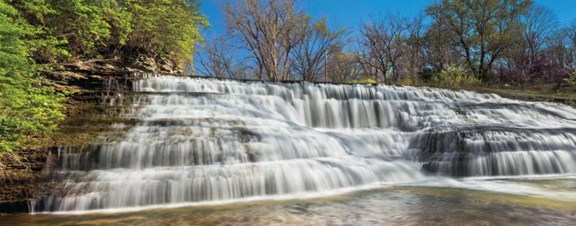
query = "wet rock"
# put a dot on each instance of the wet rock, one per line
(25, 178)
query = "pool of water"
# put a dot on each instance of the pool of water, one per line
(541, 201)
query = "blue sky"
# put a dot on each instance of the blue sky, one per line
(350, 13)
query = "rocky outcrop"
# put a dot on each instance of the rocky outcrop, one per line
(88, 75)
(24, 178)
(153, 64)
(92, 77)
(27, 175)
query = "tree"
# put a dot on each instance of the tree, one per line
(217, 59)
(75, 28)
(382, 46)
(168, 28)
(87, 29)
(318, 44)
(561, 47)
(27, 108)
(415, 43)
(538, 25)
(269, 31)
(438, 50)
(84, 25)
(528, 53)
(343, 66)
(482, 30)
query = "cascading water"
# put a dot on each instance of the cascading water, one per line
(208, 140)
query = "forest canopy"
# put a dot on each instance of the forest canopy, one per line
(107, 28)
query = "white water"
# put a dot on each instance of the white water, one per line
(218, 141)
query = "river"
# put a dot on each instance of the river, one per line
(543, 201)
(226, 152)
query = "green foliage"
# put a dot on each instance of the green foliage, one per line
(46, 47)
(27, 109)
(482, 29)
(455, 77)
(80, 29)
(83, 28)
(571, 80)
(364, 81)
(167, 27)
(411, 81)
(55, 31)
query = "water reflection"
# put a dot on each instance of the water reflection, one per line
(390, 206)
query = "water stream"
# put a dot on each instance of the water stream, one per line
(202, 141)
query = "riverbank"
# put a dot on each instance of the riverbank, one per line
(567, 98)
(535, 93)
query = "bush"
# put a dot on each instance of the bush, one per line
(363, 81)
(455, 77)
(411, 81)
(571, 80)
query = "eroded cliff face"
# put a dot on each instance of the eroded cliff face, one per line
(25, 175)
(82, 76)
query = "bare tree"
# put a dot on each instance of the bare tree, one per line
(318, 44)
(363, 59)
(570, 32)
(267, 28)
(217, 58)
(371, 52)
(381, 45)
(572, 35)
(539, 24)
(438, 50)
(562, 47)
(414, 46)
(343, 66)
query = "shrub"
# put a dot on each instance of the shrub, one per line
(571, 80)
(364, 81)
(455, 77)
(411, 81)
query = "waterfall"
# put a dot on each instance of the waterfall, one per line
(203, 140)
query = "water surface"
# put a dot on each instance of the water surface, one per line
(485, 202)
